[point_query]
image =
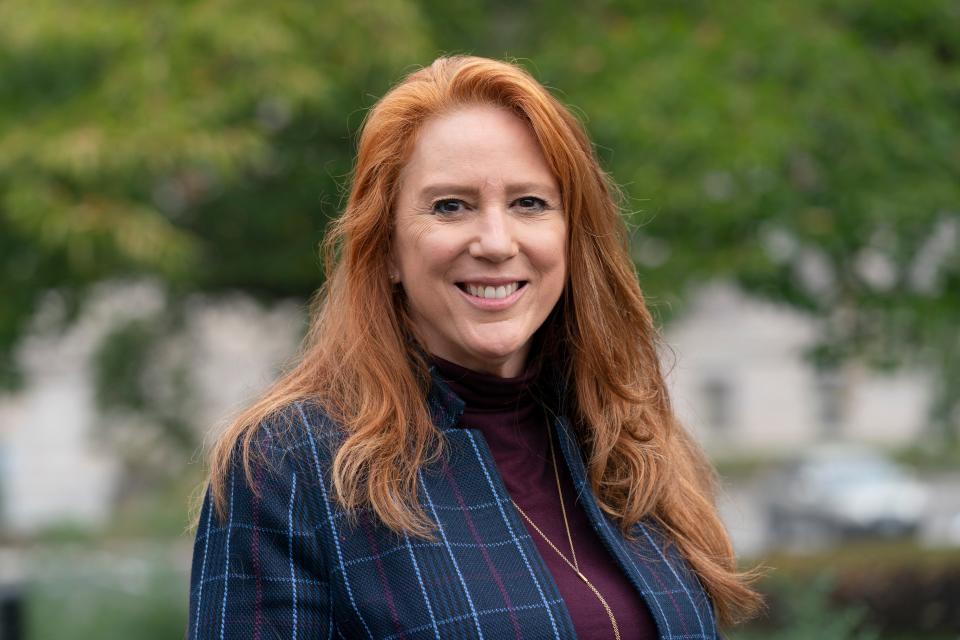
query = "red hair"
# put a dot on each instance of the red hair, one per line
(360, 359)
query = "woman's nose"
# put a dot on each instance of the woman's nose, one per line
(495, 238)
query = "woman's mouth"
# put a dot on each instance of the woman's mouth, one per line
(487, 291)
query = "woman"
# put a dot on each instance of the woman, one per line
(477, 439)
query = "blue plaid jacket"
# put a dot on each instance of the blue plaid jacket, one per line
(286, 563)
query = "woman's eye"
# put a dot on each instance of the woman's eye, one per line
(448, 206)
(532, 203)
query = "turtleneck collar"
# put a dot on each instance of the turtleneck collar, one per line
(487, 393)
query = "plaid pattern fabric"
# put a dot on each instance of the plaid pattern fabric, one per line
(285, 562)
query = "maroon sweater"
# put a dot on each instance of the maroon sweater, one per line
(510, 416)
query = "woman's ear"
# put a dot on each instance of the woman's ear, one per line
(393, 272)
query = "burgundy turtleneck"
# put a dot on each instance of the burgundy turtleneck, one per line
(509, 414)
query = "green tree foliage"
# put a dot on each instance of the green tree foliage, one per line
(201, 142)
(809, 150)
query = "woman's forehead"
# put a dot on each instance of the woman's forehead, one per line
(475, 148)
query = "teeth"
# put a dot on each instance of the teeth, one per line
(492, 292)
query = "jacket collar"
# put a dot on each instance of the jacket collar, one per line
(445, 406)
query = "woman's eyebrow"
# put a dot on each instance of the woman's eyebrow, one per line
(446, 189)
(519, 188)
(525, 188)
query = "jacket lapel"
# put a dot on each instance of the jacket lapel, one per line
(656, 570)
(481, 535)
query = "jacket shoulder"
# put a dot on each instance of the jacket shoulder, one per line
(265, 558)
(300, 435)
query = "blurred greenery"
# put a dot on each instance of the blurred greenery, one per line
(924, 458)
(810, 151)
(893, 589)
(126, 579)
(84, 593)
(807, 613)
(875, 555)
(930, 456)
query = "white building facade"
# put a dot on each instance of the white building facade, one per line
(741, 383)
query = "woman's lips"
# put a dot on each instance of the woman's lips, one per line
(468, 290)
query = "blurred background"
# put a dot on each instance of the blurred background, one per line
(791, 173)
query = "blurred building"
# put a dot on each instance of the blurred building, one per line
(740, 381)
(59, 462)
(52, 469)
(737, 372)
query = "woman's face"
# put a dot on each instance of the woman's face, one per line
(479, 240)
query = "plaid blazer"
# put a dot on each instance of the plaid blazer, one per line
(286, 563)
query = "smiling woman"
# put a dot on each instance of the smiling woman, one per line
(477, 440)
(480, 238)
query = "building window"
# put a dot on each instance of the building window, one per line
(831, 399)
(717, 398)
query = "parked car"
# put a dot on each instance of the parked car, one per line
(836, 492)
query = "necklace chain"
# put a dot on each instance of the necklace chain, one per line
(572, 564)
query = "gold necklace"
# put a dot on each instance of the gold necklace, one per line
(572, 564)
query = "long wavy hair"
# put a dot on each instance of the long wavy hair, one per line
(361, 361)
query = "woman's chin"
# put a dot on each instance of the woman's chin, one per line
(503, 360)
